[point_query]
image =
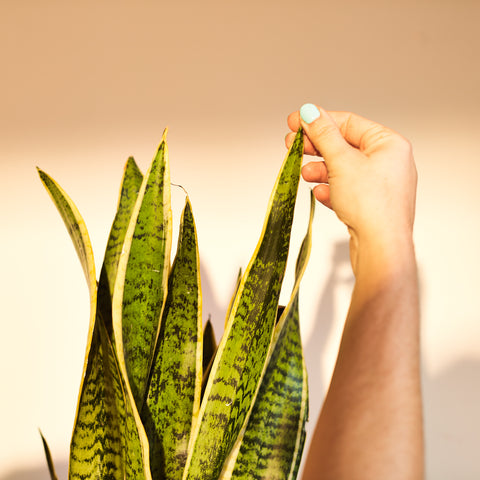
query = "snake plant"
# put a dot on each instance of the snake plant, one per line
(158, 398)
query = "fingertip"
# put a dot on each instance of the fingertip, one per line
(322, 132)
(322, 194)
(289, 137)
(315, 172)
(309, 113)
(293, 121)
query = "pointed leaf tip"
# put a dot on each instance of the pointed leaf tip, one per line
(164, 137)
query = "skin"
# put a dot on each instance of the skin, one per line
(370, 426)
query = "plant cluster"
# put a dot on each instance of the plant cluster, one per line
(159, 399)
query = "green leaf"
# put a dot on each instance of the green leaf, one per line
(209, 346)
(272, 444)
(108, 439)
(76, 228)
(131, 183)
(48, 456)
(174, 392)
(141, 285)
(209, 352)
(240, 360)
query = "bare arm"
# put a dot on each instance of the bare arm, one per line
(370, 426)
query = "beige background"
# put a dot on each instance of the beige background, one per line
(85, 84)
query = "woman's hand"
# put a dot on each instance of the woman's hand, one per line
(367, 176)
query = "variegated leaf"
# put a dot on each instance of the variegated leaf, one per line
(240, 360)
(271, 446)
(107, 441)
(76, 228)
(142, 276)
(173, 398)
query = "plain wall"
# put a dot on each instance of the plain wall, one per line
(86, 84)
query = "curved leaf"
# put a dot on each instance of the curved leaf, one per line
(240, 360)
(76, 228)
(173, 397)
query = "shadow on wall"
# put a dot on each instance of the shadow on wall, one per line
(452, 421)
(451, 399)
(324, 317)
(211, 307)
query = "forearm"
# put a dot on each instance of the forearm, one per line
(370, 425)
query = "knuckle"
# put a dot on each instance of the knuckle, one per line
(326, 130)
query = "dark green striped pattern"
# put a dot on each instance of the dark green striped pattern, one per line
(131, 183)
(105, 442)
(273, 441)
(147, 274)
(242, 353)
(270, 442)
(174, 391)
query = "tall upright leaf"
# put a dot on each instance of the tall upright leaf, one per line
(271, 445)
(240, 359)
(142, 276)
(131, 183)
(107, 431)
(173, 397)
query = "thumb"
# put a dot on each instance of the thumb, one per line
(324, 133)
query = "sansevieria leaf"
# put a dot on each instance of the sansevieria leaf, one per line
(209, 346)
(131, 183)
(272, 444)
(241, 356)
(107, 432)
(108, 440)
(173, 398)
(142, 276)
(76, 228)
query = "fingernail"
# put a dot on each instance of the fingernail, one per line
(309, 112)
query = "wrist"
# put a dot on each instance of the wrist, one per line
(378, 255)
